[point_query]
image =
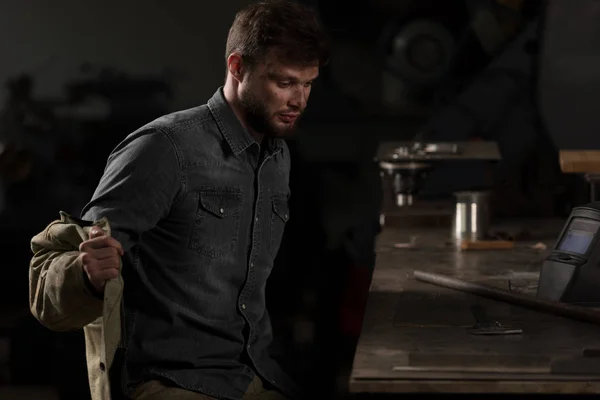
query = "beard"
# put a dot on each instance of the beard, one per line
(261, 120)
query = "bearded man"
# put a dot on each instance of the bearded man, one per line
(197, 202)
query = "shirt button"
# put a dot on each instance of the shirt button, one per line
(102, 366)
(252, 264)
(256, 219)
(285, 216)
(243, 306)
(221, 210)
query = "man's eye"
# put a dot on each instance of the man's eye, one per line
(283, 84)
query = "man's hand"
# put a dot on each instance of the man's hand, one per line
(100, 256)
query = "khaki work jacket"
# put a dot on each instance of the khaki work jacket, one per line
(60, 299)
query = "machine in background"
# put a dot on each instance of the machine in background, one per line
(405, 166)
(408, 164)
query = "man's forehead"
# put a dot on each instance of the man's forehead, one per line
(273, 65)
(302, 72)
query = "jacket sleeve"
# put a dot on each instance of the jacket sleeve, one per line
(58, 295)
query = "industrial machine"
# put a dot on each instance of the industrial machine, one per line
(407, 164)
(459, 145)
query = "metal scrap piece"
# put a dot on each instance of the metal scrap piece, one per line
(493, 328)
(486, 326)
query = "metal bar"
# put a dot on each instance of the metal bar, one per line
(558, 308)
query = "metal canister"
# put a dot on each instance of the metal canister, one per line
(471, 215)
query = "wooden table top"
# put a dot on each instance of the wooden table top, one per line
(415, 337)
(579, 161)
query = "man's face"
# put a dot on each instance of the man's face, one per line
(274, 95)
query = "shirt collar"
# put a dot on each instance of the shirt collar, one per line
(238, 138)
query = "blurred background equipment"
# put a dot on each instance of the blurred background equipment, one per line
(417, 56)
(569, 84)
(407, 164)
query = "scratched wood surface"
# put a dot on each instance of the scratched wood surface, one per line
(415, 336)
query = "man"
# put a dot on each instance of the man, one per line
(197, 204)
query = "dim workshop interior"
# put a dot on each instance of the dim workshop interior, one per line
(444, 222)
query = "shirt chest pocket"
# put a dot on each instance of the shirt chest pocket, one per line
(279, 217)
(217, 223)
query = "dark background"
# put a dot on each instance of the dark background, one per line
(79, 76)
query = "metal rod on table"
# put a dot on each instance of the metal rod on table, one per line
(562, 309)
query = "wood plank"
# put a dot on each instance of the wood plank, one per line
(407, 319)
(584, 161)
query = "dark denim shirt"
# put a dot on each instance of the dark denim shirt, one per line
(200, 210)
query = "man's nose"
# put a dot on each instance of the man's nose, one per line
(299, 98)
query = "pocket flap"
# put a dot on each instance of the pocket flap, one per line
(221, 202)
(280, 206)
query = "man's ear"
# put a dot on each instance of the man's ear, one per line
(235, 65)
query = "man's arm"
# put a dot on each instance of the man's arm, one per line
(142, 180)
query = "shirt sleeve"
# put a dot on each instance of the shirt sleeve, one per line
(140, 183)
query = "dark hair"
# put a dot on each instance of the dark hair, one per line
(287, 29)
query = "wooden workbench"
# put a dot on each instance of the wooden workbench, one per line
(414, 336)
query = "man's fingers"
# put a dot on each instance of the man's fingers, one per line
(92, 264)
(101, 242)
(106, 252)
(96, 231)
(103, 275)
(100, 257)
